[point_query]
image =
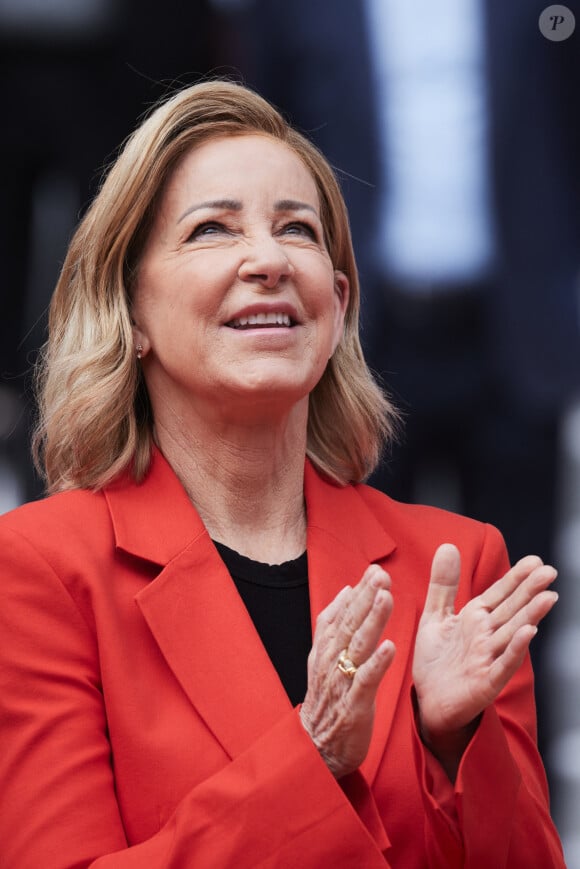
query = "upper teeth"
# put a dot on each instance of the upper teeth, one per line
(274, 319)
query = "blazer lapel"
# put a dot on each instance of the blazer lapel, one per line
(199, 621)
(344, 537)
(195, 613)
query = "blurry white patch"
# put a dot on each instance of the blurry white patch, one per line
(564, 755)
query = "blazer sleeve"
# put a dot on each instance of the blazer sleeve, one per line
(274, 805)
(497, 814)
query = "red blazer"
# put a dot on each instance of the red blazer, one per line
(143, 725)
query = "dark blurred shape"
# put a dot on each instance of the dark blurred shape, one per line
(74, 76)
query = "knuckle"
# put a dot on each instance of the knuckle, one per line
(364, 680)
(323, 621)
(349, 625)
(355, 648)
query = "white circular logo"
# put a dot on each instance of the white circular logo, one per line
(557, 23)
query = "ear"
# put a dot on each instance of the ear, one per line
(341, 297)
(140, 340)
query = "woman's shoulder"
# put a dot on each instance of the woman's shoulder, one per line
(416, 525)
(53, 521)
(403, 519)
(417, 530)
(61, 504)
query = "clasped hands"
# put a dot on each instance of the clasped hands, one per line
(461, 660)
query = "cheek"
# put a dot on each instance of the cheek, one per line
(332, 313)
(164, 307)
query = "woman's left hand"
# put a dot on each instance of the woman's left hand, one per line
(462, 661)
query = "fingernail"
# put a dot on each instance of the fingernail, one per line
(387, 646)
(381, 580)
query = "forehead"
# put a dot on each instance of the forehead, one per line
(243, 164)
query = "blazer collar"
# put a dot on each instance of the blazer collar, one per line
(200, 623)
(155, 519)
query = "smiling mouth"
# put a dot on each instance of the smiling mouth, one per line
(253, 321)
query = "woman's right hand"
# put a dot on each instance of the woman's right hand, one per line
(338, 712)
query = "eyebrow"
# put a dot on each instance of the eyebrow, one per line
(222, 204)
(236, 205)
(293, 205)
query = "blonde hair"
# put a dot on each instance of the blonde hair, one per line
(95, 418)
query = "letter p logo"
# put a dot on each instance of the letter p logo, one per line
(557, 23)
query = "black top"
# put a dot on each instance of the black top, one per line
(276, 597)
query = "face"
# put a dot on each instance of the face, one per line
(236, 301)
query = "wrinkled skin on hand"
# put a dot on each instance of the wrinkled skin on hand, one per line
(338, 712)
(461, 662)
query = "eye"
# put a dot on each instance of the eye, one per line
(206, 229)
(300, 228)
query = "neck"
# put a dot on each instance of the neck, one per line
(245, 479)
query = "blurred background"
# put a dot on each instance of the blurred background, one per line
(454, 129)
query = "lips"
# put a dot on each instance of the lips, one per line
(270, 319)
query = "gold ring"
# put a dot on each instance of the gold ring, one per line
(345, 665)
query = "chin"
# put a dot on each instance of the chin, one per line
(275, 393)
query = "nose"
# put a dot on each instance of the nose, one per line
(265, 262)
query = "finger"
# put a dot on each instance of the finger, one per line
(334, 611)
(444, 580)
(500, 590)
(370, 674)
(359, 605)
(529, 616)
(364, 640)
(538, 580)
(507, 664)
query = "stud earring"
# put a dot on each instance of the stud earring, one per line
(139, 349)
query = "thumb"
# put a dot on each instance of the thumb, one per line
(444, 581)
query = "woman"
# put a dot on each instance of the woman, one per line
(206, 420)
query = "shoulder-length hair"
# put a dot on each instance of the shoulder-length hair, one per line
(95, 419)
